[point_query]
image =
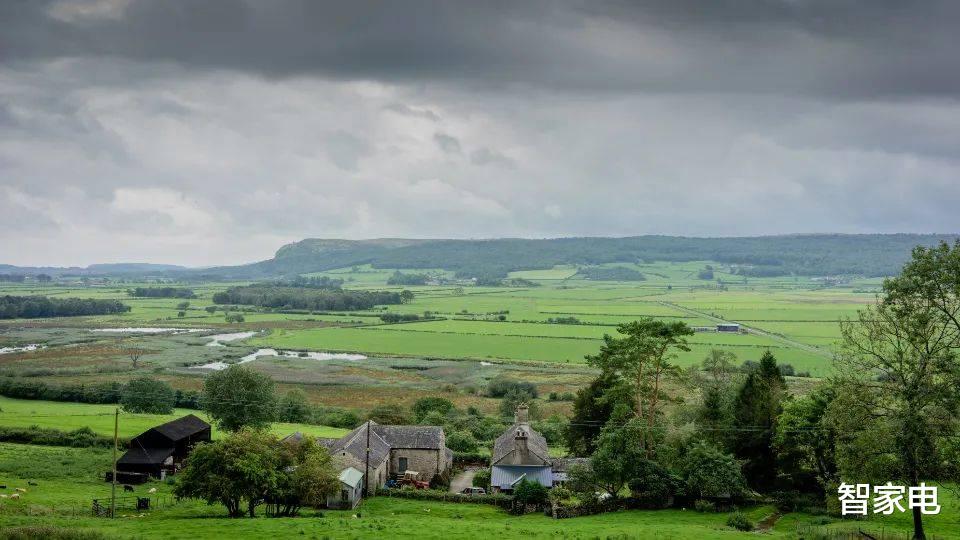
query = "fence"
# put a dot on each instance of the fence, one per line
(131, 504)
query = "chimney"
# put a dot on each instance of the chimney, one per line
(520, 442)
(522, 415)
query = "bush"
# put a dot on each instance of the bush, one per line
(462, 441)
(702, 505)
(482, 479)
(527, 492)
(500, 387)
(79, 438)
(740, 522)
(426, 405)
(48, 532)
(494, 499)
(390, 318)
(708, 472)
(294, 407)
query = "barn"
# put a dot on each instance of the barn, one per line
(161, 450)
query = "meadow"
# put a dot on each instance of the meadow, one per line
(67, 479)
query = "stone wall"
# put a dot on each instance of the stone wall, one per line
(427, 462)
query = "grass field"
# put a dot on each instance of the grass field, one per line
(69, 478)
(100, 418)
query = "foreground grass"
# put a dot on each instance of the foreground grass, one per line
(69, 416)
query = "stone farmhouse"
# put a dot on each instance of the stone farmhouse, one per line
(393, 451)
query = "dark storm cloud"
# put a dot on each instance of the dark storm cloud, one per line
(847, 49)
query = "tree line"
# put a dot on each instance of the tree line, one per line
(29, 307)
(162, 292)
(281, 297)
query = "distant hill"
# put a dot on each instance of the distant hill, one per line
(109, 269)
(805, 254)
(812, 254)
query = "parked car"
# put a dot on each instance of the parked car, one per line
(474, 491)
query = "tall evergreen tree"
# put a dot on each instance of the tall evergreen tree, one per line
(756, 408)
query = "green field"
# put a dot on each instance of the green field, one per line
(69, 478)
(100, 418)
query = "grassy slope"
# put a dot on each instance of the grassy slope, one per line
(69, 416)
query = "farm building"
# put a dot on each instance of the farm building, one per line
(393, 451)
(520, 453)
(161, 450)
(728, 327)
(561, 468)
(351, 490)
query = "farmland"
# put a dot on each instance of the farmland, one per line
(466, 336)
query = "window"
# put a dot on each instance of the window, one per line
(402, 464)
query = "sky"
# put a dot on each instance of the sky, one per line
(206, 133)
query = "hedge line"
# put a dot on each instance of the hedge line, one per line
(494, 499)
(79, 438)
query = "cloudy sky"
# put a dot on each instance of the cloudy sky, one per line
(212, 132)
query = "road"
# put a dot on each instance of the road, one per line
(463, 479)
(751, 330)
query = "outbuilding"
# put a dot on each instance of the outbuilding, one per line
(351, 490)
(161, 450)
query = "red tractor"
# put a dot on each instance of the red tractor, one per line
(412, 479)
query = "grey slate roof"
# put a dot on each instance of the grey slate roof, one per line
(355, 444)
(420, 437)
(508, 451)
(564, 464)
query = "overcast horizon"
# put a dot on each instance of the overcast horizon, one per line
(212, 133)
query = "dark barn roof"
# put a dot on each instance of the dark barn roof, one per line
(181, 428)
(145, 456)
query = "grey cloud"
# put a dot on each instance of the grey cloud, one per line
(345, 150)
(407, 110)
(857, 48)
(448, 143)
(485, 156)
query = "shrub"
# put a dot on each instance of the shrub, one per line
(462, 441)
(79, 438)
(294, 407)
(740, 522)
(389, 414)
(527, 492)
(49, 532)
(500, 387)
(426, 405)
(495, 499)
(702, 505)
(482, 479)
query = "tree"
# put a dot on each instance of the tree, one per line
(239, 397)
(643, 358)
(619, 457)
(389, 414)
(805, 442)
(715, 413)
(183, 305)
(462, 441)
(309, 475)
(210, 309)
(899, 358)
(406, 296)
(756, 408)
(294, 407)
(423, 406)
(237, 471)
(591, 410)
(146, 395)
(515, 397)
(708, 472)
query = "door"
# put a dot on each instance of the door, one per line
(402, 464)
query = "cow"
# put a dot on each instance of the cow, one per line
(127, 487)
